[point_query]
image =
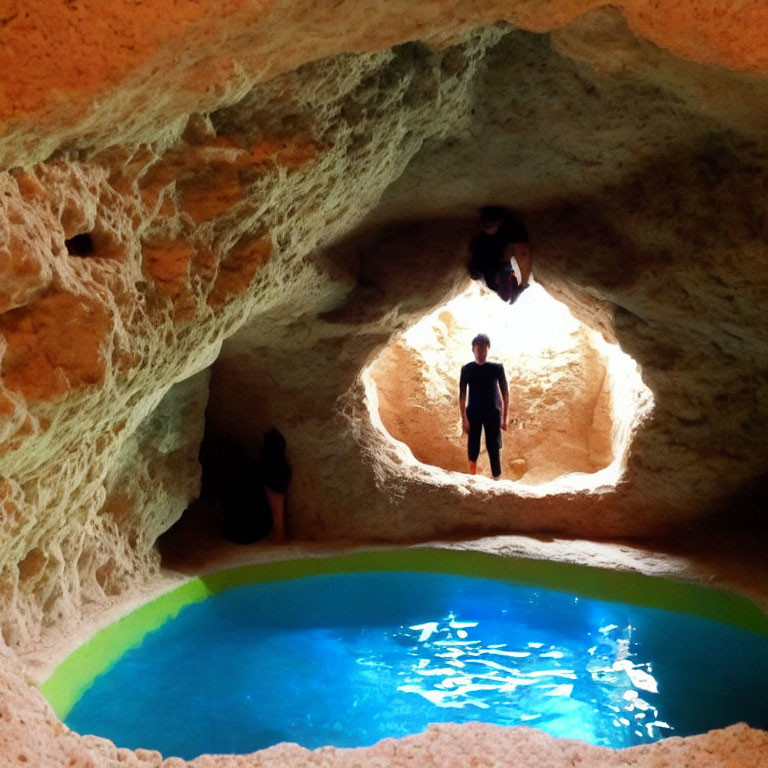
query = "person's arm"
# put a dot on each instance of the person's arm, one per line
(463, 401)
(524, 258)
(504, 396)
(277, 508)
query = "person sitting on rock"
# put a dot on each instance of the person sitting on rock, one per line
(253, 492)
(501, 254)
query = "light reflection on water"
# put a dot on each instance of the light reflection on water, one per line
(452, 667)
(348, 660)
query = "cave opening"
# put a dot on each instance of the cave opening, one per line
(575, 399)
(80, 245)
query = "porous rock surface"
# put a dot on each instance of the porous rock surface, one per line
(282, 188)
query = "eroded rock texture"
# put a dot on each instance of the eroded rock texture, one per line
(297, 182)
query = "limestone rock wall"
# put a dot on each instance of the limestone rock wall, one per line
(215, 171)
(125, 270)
(647, 211)
(90, 533)
(190, 183)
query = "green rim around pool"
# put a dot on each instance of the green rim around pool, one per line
(74, 675)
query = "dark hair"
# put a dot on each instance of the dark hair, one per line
(481, 338)
(491, 214)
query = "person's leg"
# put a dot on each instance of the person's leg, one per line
(473, 442)
(492, 425)
(507, 283)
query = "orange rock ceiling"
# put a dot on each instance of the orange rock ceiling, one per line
(62, 58)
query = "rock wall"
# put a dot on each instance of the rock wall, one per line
(125, 271)
(190, 182)
(322, 205)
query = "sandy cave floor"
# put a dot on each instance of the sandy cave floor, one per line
(733, 559)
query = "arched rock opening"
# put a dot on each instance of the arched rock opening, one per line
(575, 399)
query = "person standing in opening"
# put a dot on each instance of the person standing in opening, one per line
(501, 254)
(488, 407)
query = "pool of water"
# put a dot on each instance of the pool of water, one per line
(352, 658)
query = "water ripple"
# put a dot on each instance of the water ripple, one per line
(453, 668)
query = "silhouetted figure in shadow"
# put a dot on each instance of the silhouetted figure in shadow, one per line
(251, 492)
(500, 253)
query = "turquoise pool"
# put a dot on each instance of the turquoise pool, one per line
(349, 658)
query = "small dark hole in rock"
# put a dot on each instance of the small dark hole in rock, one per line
(80, 245)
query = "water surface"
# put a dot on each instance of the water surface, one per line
(350, 659)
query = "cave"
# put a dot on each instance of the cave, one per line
(575, 399)
(277, 227)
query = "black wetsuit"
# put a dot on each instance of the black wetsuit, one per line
(484, 409)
